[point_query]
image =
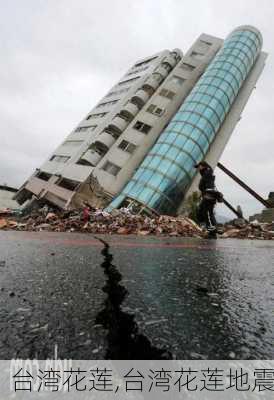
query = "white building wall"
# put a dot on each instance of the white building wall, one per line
(70, 169)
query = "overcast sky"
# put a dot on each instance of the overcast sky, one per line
(59, 57)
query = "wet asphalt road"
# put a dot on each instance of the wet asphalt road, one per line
(77, 296)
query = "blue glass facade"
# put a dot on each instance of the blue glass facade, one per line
(168, 169)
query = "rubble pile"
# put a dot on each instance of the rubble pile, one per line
(241, 229)
(99, 221)
(6, 212)
(122, 222)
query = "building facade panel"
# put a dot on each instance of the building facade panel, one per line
(233, 117)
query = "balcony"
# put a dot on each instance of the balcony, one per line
(36, 185)
(118, 124)
(177, 54)
(161, 70)
(130, 110)
(152, 83)
(140, 97)
(91, 157)
(171, 60)
(105, 141)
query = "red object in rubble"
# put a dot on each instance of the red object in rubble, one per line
(86, 214)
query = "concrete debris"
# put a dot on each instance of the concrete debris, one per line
(3, 223)
(7, 212)
(122, 222)
(241, 229)
(99, 221)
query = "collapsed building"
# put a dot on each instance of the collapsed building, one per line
(6, 197)
(137, 147)
(267, 215)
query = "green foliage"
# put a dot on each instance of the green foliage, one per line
(192, 204)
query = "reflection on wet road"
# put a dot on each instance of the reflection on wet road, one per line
(132, 297)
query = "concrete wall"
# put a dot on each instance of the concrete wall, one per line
(70, 169)
(6, 200)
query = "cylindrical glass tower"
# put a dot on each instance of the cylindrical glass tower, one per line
(168, 169)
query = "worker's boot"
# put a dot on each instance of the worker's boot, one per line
(212, 233)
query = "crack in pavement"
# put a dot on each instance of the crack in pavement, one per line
(124, 340)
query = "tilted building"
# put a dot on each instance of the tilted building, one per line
(138, 146)
(6, 195)
(266, 215)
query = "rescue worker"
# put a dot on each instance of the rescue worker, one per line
(208, 190)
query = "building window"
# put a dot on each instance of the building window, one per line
(166, 66)
(73, 143)
(125, 116)
(99, 115)
(205, 42)
(148, 89)
(157, 76)
(111, 130)
(68, 184)
(153, 109)
(61, 159)
(177, 79)
(85, 128)
(187, 67)
(84, 163)
(128, 81)
(107, 103)
(140, 126)
(137, 70)
(95, 148)
(115, 92)
(145, 62)
(43, 175)
(167, 93)
(135, 101)
(176, 55)
(197, 55)
(127, 146)
(111, 168)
